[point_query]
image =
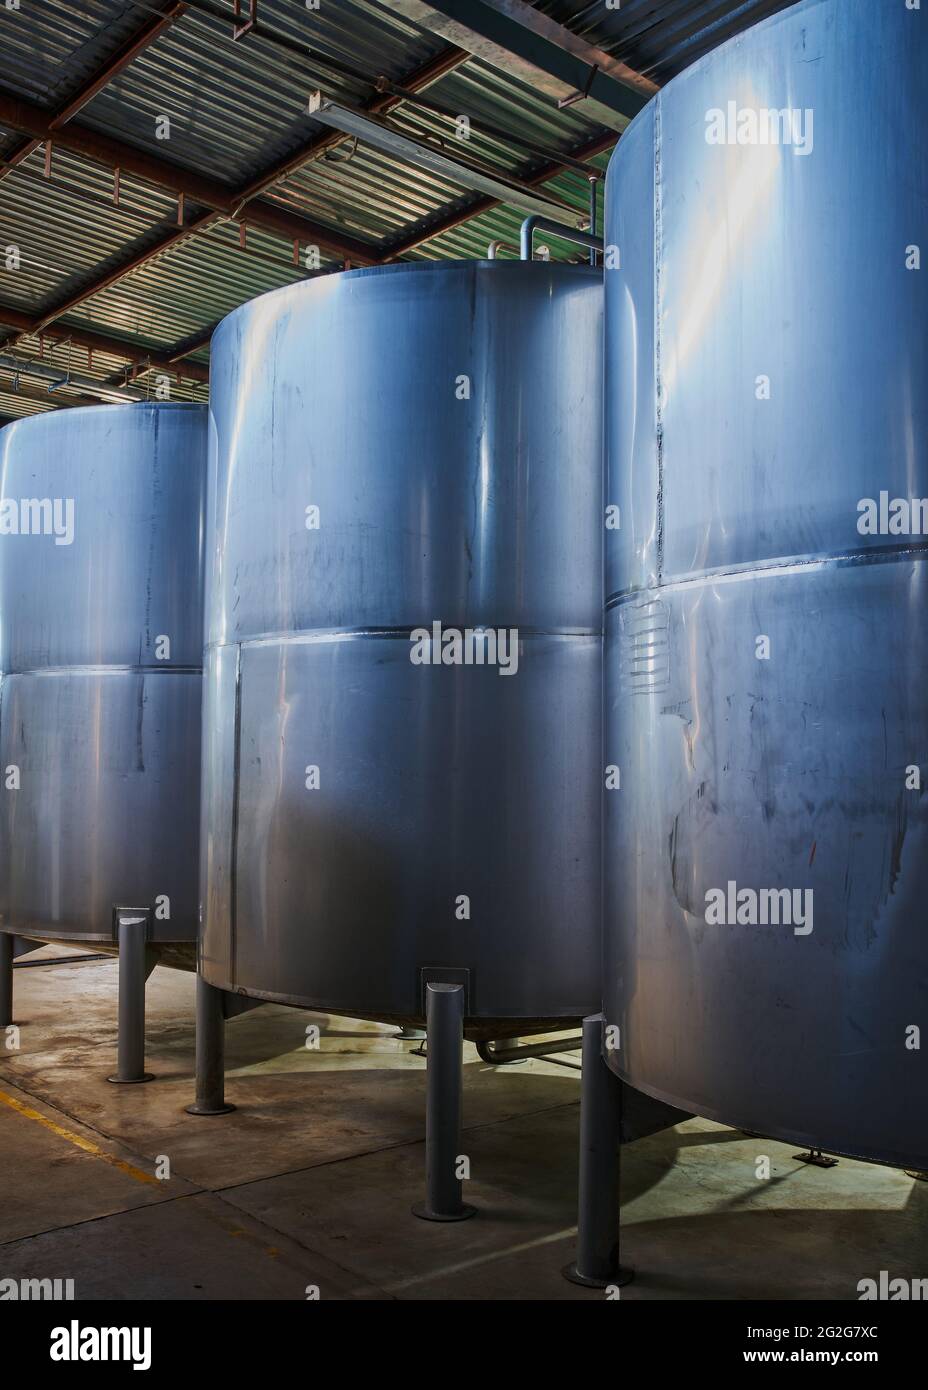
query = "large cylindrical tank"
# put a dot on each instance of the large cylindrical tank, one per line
(766, 857)
(101, 595)
(389, 449)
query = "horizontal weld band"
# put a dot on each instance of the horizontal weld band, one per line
(793, 564)
(93, 670)
(345, 634)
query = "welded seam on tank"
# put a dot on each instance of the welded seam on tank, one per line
(89, 670)
(658, 345)
(792, 564)
(347, 634)
(233, 848)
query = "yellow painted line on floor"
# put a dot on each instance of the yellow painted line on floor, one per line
(76, 1139)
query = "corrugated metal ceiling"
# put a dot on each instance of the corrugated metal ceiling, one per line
(658, 37)
(235, 109)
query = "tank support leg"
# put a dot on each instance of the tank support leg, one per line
(211, 1038)
(444, 1026)
(597, 1263)
(136, 962)
(7, 941)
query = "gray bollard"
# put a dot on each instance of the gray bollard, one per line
(135, 966)
(7, 941)
(211, 1038)
(445, 1033)
(597, 1263)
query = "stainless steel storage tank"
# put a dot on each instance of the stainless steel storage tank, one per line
(101, 540)
(393, 448)
(766, 959)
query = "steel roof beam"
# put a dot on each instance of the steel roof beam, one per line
(526, 44)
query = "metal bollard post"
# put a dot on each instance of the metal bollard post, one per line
(597, 1263)
(211, 1036)
(445, 1034)
(7, 942)
(134, 969)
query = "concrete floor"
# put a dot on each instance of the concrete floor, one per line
(310, 1181)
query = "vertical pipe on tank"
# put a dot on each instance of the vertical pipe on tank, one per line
(594, 189)
(537, 223)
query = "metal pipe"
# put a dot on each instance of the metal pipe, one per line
(43, 372)
(211, 1029)
(495, 247)
(24, 323)
(513, 1051)
(60, 960)
(132, 933)
(40, 394)
(597, 1263)
(499, 1052)
(7, 941)
(447, 160)
(536, 223)
(444, 1019)
(594, 187)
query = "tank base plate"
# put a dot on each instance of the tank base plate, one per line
(621, 1277)
(817, 1159)
(131, 1080)
(426, 1214)
(208, 1109)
